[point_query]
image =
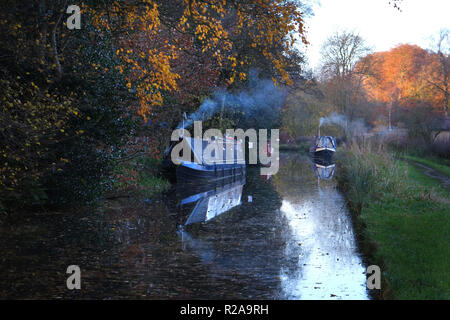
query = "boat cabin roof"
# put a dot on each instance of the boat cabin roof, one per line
(198, 152)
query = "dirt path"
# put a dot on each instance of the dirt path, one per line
(433, 173)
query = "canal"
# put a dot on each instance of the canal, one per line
(288, 236)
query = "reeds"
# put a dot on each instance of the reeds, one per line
(368, 171)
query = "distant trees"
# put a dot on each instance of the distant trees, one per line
(406, 76)
(302, 112)
(410, 84)
(341, 73)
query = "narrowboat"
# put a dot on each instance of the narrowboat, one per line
(324, 147)
(200, 166)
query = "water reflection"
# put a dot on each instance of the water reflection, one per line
(292, 240)
(323, 168)
(209, 200)
(319, 223)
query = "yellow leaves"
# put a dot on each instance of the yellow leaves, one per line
(120, 68)
(148, 54)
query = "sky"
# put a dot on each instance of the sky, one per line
(379, 23)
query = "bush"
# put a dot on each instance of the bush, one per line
(60, 134)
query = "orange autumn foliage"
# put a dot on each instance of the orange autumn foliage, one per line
(401, 76)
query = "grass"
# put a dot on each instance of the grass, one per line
(438, 164)
(140, 177)
(402, 218)
(302, 147)
(417, 175)
(152, 185)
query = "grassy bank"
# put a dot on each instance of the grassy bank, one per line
(402, 218)
(139, 177)
(302, 147)
(438, 164)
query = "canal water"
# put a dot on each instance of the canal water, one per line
(288, 236)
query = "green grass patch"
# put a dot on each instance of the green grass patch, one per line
(439, 164)
(152, 185)
(402, 218)
(433, 185)
(140, 177)
(303, 147)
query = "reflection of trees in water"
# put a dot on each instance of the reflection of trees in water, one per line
(318, 220)
(325, 206)
(128, 250)
(248, 241)
(109, 245)
(296, 179)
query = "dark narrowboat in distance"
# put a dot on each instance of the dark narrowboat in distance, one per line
(324, 147)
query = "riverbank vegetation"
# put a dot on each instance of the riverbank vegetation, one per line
(401, 216)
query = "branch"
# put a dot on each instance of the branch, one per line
(55, 49)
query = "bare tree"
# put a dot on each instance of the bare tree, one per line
(341, 52)
(340, 55)
(442, 50)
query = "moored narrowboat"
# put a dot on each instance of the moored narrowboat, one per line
(198, 164)
(324, 147)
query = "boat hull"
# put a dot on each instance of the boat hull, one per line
(324, 154)
(219, 172)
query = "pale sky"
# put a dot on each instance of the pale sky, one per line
(382, 26)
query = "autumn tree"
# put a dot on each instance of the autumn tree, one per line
(401, 77)
(71, 97)
(62, 114)
(153, 33)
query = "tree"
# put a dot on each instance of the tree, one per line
(153, 33)
(401, 77)
(340, 53)
(437, 69)
(340, 71)
(63, 111)
(302, 111)
(71, 99)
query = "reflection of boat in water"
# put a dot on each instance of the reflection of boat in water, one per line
(324, 168)
(203, 161)
(204, 202)
(324, 146)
